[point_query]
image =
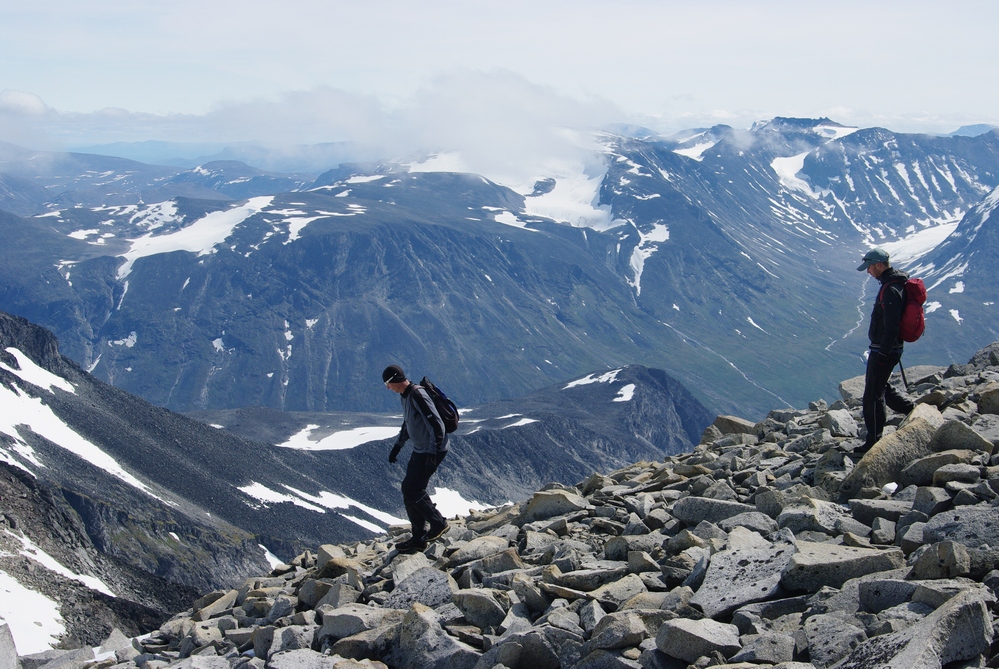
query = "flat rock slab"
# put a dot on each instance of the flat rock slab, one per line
(478, 548)
(551, 503)
(692, 510)
(427, 586)
(968, 525)
(739, 577)
(818, 564)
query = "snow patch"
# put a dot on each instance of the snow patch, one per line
(956, 315)
(787, 170)
(696, 152)
(625, 394)
(35, 375)
(522, 421)
(199, 237)
(450, 503)
(34, 619)
(338, 441)
(607, 377)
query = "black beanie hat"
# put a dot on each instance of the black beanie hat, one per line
(393, 374)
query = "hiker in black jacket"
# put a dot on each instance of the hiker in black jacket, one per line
(886, 345)
(423, 426)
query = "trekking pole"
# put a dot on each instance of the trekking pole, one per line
(904, 380)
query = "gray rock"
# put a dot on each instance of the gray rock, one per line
(612, 595)
(815, 565)
(687, 639)
(831, 637)
(738, 577)
(988, 427)
(840, 423)
(404, 565)
(972, 526)
(293, 637)
(618, 630)
(590, 614)
(588, 580)
(339, 594)
(866, 510)
(353, 618)
(480, 607)
(765, 648)
(961, 473)
(478, 548)
(885, 461)
(920, 472)
(606, 659)
(734, 425)
(8, 652)
(423, 644)
(961, 629)
(810, 515)
(427, 586)
(946, 559)
(617, 548)
(551, 503)
(693, 510)
(988, 399)
(955, 435)
(751, 520)
(883, 593)
(931, 500)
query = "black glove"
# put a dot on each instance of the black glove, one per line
(394, 455)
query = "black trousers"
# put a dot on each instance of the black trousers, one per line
(878, 392)
(419, 507)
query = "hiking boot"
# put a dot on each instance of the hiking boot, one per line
(412, 545)
(436, 532)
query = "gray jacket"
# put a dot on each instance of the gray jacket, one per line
(420, 422)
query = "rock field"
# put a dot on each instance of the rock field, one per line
(771, 544)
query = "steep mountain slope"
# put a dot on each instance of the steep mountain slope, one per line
(198, 506)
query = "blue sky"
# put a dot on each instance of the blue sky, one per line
(305, 71)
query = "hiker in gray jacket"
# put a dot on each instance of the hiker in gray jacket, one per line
(421, 425)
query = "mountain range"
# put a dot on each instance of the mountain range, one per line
(703, 254)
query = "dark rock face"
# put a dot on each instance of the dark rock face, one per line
(619, 571)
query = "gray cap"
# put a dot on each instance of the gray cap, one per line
(873, 256)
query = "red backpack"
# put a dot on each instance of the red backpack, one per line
(913, 321)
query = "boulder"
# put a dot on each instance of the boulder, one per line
(765, 648)
(811, 515)
(955, 435)
(423, 643)
(972, 526)
(832, 636)
(427, 586)
(478, 548)
(961, 629)
(816, 565)
(8, 652)
(480, 607)
(551, 503)
(840, 423)
(618, 630)
(888, 457)
(692, 510)
(688, 640)
(738, 577)
(353, 618)
(734, 425)
(920, 472)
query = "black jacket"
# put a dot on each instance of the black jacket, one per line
(887, 313)
(420, 422)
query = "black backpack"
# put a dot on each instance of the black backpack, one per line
(445, 407)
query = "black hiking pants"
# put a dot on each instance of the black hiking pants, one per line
(878, 392)
(419, 507)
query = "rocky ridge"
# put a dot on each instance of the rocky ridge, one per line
(771, 544)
